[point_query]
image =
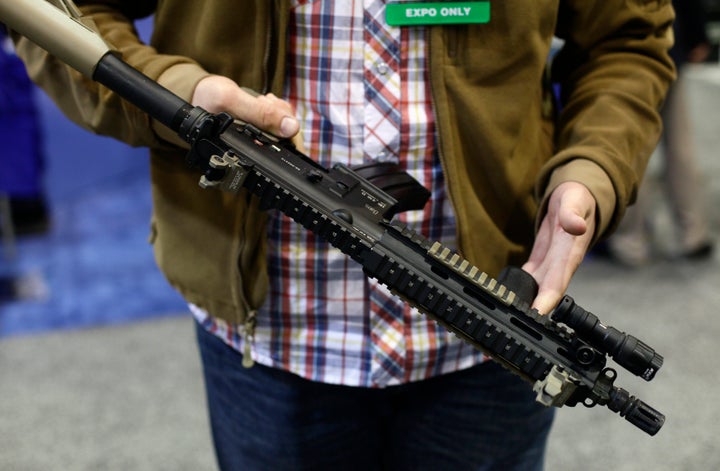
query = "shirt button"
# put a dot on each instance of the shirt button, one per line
(382, 68)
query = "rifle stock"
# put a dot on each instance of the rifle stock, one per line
(563, 356)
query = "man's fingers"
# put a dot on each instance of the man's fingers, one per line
(546, 301)
(561, 242)
(268, 112)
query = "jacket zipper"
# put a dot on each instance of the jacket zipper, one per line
(251, 317)
(249, 338)
(250, 321)
(266, 57)
(438, 133)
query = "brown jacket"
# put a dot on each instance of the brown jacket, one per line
(500, 149)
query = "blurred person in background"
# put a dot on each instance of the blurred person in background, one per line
(681, 181)
(21, 155)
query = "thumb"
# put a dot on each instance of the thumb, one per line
(572, 222)
(576, 209)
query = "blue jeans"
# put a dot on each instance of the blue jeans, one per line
(483, 418)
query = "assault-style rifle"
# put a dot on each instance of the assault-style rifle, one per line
(563, 355)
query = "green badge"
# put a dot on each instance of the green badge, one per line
(436, 13)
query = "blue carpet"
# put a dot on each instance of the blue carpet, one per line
(95, 266)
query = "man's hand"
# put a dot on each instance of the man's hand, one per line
(268, 112)
(564, 237)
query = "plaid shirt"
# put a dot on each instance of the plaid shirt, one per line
(360, 89)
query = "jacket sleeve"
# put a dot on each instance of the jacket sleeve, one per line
(92, 105)
(613, 72)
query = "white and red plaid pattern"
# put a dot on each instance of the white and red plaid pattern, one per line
(361, 92)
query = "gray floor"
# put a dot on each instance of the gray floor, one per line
(130, 397)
